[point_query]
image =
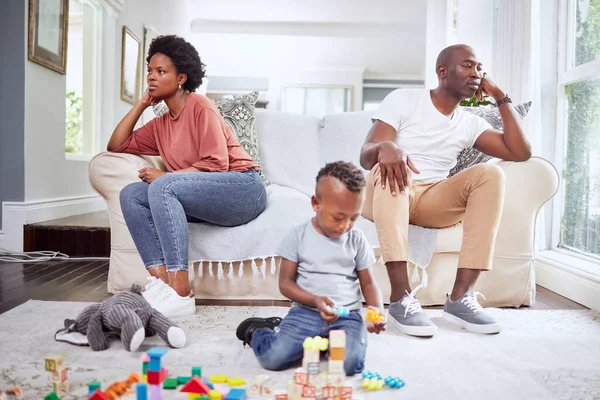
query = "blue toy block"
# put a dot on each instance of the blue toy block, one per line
(208, 383)
(141, 391)
(155, 355)
(236, 394)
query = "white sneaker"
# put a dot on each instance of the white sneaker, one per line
(154, 290)
(171, 305)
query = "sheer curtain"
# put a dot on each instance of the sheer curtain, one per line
(516, 66)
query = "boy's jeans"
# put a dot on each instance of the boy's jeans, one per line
(157, 214)
(280, 350)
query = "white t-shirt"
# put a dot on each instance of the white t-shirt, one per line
(431, 139)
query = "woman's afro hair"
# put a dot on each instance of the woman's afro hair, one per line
(183, 55)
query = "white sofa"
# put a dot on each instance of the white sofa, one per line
(293, 147)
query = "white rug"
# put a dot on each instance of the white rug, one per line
(539, 355)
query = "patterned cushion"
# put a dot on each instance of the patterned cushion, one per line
(471, 156)
(239, 115)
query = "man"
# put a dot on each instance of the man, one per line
(413, 143)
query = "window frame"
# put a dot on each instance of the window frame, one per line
(92, 85)
(567, 74)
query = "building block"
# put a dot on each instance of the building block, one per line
(300, 377)
(61, 388)
(156, 392)
(336, 366)
(195, 385)
(309, 391)
(208, 383)
(328, 392)
(157, 378)
(294, 390)
(313, 368)
(215, 395)
(337, 338)
(336, 379)
(257, 383)
(98, 395)
(280, 395)
(52, 396)
(197, 371)
(337, 353)
(218, 378)
(345, 392)
(236, 381)
(182, 380)
(145, 378)
(236, 394)
(141, 391)
(155, 355)
(170, 383)
(53, 363)
(59, 375)
(93, 386)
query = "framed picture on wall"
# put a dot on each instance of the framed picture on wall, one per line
(47, 33)
(149, 35)
(130, 66)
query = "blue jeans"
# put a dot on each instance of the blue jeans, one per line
(157, 213)
(280, 350)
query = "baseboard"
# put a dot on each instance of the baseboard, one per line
(577, 284)
(15, 215)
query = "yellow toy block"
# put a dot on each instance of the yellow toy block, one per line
(145, 378)
(236, 381)
(218, 378)
(215, 395)
(54, 363)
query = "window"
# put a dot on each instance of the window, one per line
(81, 77)
(318, 101)
(578, 127)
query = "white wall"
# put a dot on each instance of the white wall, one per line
(48, 175)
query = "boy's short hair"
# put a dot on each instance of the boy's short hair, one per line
(346, 172)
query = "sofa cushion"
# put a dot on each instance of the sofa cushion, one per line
(258, 238)
(238, 113)
(342, 136)
(289, 148)
(471, 156)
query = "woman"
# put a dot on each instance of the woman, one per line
(210, 176)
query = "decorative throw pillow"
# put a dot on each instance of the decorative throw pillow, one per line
(471, 156)
(239, 114)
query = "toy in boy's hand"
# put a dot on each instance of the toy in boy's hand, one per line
(126, 314)
(374, 315)
(340, 311)
(376, 319)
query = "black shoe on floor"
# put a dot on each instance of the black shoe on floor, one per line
(245, 330)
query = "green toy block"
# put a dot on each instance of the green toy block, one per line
(93, 386)
(145, 369)
(170, 383)
(52, 396)
(197, 371)
(182, 380)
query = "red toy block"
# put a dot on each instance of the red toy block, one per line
(309, 391)
(301, 378)
(345, 392)
(195, 385)
(98, 395)
(329, 392)
(156, 378)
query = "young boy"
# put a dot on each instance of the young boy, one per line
(325, 263)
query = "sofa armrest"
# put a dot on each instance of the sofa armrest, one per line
(529, 185)
(110, 172)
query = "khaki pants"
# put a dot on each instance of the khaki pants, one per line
(474, 196)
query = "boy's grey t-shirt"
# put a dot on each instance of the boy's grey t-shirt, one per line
(328, 267)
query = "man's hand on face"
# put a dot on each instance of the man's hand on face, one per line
(489, 87)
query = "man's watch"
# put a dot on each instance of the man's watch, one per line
(506, 99)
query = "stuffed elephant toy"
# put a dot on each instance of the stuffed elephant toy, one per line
(126, 315)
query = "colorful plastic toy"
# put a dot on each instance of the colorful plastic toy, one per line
(340, 311)
(394, 382)
(374, 316)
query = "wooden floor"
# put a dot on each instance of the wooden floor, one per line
(86, 281)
